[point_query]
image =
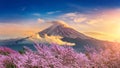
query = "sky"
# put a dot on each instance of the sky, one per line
(95, 18)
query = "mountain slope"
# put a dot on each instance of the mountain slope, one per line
(62, 30)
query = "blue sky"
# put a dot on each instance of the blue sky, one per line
(96, 18)
(15, 10)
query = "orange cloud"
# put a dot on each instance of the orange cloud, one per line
(51, 39)
(106, 22)
(18, 30)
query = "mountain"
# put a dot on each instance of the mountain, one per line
(71, 35)
(60, 29)
(67, 33)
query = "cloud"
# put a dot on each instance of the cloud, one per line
(69, 15)
(20, 29)
(51, 39)
(40, 20)
(78, 20)
(36, 14)
(73, 17)
(106, 22)
(103, 21)
(95, 33)
(99, 35)
(53, 12)
(59, 22)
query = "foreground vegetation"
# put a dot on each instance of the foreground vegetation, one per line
(55, 56)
